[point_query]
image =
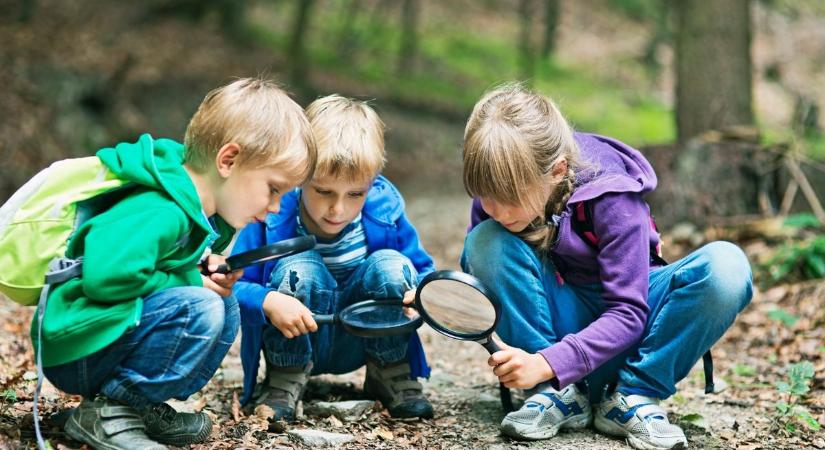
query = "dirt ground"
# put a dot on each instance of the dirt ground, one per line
(462, 388)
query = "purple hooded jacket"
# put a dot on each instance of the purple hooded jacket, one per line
(615, 178)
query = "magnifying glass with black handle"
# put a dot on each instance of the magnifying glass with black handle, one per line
(458, 305)
(373, 318)
(263, 254)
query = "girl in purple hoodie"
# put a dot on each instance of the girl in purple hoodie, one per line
(605, 315)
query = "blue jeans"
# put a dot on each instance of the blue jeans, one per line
(383, 274)
(692, 303)
(181, 339)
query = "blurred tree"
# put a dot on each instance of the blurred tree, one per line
(296, 52)
(713, 66)
(551, 21)
(347, 37)
(230, 13)
(408, 52)
(527, 52)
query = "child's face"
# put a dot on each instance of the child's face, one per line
(331, 203)
(247, 194)
(513, 217)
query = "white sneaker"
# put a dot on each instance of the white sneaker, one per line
(546, 412)
(641, 420)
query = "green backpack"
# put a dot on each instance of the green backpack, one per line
(37, 222)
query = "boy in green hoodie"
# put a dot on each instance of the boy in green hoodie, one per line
(142, 325)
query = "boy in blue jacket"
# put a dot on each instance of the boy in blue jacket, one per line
(367, 249)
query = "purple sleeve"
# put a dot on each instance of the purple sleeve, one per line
(477, 214)
(621, 223)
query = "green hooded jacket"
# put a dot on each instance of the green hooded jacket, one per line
(150, 240)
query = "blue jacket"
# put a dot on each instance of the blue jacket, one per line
(385, 227)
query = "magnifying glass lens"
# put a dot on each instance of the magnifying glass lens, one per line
(376, 316)
(457, 307)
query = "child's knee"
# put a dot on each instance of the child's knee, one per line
(301, 274)
(206, 312)
(729, 281)
(489, 248)
(389, 268)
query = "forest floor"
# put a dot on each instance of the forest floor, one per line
(754, 354)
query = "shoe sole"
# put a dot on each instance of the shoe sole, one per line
(613, 429)
(189, 439)
(572, 423)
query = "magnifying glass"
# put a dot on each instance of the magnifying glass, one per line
(373, 318)
(259, 255)
(459, 306)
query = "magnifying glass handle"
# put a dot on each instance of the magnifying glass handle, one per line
(324, 319)
(223, 268)
(490, 345)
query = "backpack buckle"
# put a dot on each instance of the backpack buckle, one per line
(63, 269)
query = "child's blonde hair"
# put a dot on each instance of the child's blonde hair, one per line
(261, 118)
(350, 138)
(513, 139)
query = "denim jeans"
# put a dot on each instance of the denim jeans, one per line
(692, 303)
(384, 274)
(181, 339)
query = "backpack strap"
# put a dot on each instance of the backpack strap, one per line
(582, 224)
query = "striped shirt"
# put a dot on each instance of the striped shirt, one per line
(343, 253)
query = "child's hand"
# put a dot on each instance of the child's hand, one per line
(409, 297)
(218, 282)
(516, 368)
(288, 315)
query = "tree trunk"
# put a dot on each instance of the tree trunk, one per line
(713, 66)
(551, 22)
(296, 51)
(527, 60)
(408, 51)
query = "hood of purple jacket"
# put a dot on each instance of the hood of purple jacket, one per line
(610, 166)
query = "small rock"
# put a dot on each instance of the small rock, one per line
(29, 375)
(682, 232)
(346, 411)
(232, 375)
(318, 438)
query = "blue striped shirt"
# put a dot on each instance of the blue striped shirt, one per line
(343, 253)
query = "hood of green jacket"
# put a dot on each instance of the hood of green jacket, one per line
(158, 164)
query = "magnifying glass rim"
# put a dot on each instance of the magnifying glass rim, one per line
(464, 278)
(392, 330)
(279, 249)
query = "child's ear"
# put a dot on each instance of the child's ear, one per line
(559, 169)
(226, 158)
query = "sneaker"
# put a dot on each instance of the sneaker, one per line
(641, 420)
(391, 384)
(546, 412)
(108, 425)
(168, 426)
(283, 387)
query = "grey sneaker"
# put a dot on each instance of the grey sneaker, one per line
(168, 426)
(108, 425)
(546, 412)
(391, 384)
(641, 420)
(283, 387)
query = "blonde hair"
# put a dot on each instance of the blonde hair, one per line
(259, 116)
(350, 138)
(513, 139)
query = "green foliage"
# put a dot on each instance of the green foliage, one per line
(798, 261)
(456, 63)
(780, 315)
(9, 397)
(641, 10)
(803, 220)
(744, 370)
(694, 419)
(791, 413)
